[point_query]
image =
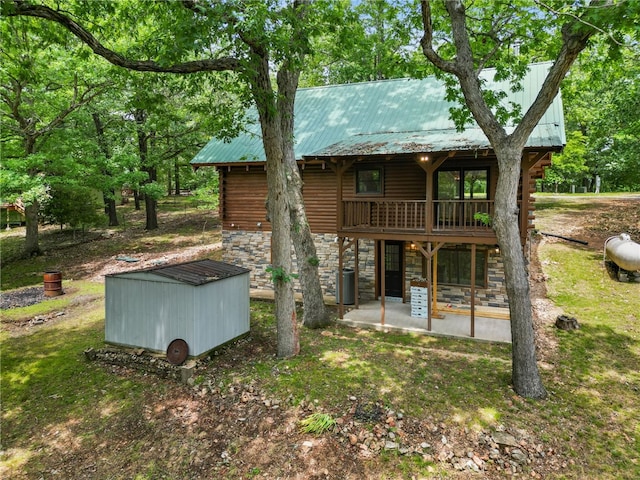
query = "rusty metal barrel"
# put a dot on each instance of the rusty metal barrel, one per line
(52, 284)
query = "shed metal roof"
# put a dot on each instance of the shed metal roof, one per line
(194, 273)
(387, 117)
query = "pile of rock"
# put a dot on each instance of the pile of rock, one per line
(139, 359)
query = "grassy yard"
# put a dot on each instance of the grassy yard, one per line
(64, 417)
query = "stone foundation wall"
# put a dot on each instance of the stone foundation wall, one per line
(252, 250)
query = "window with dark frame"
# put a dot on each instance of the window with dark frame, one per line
(454, 267)
(369, 181)
(463, 184)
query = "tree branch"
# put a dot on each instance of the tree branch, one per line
(85, 98)
(427, 41)
(578, 19)
(468, 75)
(22, 8)
(573, 42)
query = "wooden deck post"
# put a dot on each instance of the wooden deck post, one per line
(340, 285)
(473, 289)
(383, 269)
(356, 245)
(430, 280)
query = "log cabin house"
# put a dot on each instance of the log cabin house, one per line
(393, 192)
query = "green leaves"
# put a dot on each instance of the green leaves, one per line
(317, 423)
(279, 274)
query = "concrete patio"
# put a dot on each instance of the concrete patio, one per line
(490, 324)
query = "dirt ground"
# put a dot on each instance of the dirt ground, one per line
(243, 432)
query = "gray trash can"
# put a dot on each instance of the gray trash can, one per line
(348, 286)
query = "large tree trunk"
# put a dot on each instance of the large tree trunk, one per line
(525, 375)
(151, 212)
(278, 207)
(315, 313)
(509, 149)
(32, 246)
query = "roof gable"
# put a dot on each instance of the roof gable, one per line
(387, 117)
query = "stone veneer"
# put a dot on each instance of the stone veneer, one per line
(252, 250)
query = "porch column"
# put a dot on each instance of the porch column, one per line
(473, 290)
(356, 245)
(383, 268)
(428, 208)
(431, 286)
(340, 285)
(430, 165)
(430, 253)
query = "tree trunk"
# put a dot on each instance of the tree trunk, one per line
(176, 177)
(150, 203)
(32, 246)
(315, 313)
(525, 375)
(110, 208)
(109, 194)
(151, 211)
(282, 266)
(278, 206)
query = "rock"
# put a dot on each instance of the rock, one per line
(503, 438)
(353, 440)
(390, 445)
(563, 322)
(519, 456)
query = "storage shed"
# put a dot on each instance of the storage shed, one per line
(205, 303)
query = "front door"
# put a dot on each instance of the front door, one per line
(393, 268)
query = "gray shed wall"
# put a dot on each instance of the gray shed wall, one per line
(149, 311)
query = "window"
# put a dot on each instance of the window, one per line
(463, 184)
(454, 267)
(369, 181)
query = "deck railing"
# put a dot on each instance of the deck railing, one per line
(397, 215)
(462, 214)
(409, 215)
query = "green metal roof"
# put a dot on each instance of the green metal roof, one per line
(386, 117)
